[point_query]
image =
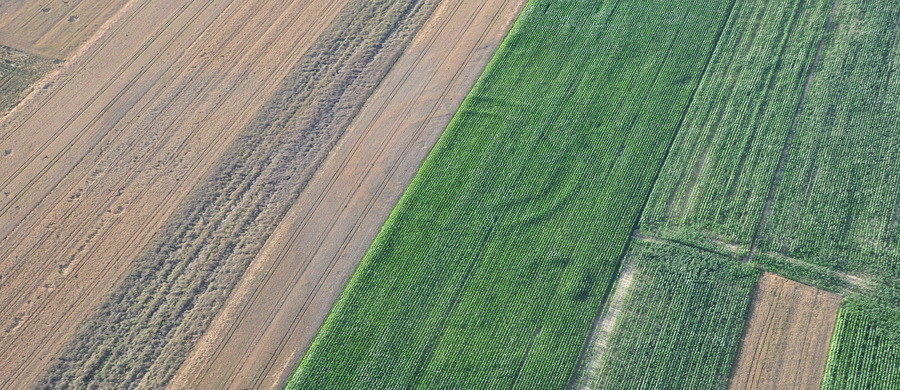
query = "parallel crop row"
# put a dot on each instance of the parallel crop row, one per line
(492, 268)
(838, 204)
(678, 325)
(713, 186)
(865, 352)
(791, 149)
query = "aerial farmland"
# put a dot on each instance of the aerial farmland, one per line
(450, 194)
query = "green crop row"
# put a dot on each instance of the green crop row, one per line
(492, 267)
(837, 204)
(792, 144)
(865, 351)
(678, 325)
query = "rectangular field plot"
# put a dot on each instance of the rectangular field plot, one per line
(790, 153)
(837, 203)
(865, 351)
(785, 343)
(674, 321)
(493, 266)
(713, 186)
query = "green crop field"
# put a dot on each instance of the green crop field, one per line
(791, 149)
(492, 267)
(734, 135)
(713, 186)
(865, 352)
(837, 204)
(679, 322)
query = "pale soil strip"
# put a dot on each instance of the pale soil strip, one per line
(275, 311)
(785, 344)
(53, 28)
(47, 81)
(604, 327)
(184, 276)
(138, 119)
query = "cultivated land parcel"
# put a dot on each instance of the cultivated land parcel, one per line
(616, 203)
(783, 126)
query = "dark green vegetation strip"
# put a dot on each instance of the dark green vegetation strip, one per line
(865, 352)
(146, 329)
(491, 269)
(18, 72)
(790, 154)
(679, 323)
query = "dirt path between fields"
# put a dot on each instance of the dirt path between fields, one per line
(289, 288)
(53, 28)
(785, 343)
(99, 160)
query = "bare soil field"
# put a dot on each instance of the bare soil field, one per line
(99, 160)
(289, 288)
(53, 28)
(785, 344)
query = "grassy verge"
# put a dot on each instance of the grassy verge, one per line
(492, 267)
(18, 72)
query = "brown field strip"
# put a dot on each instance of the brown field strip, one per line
(289, 288)
(181, 279)
(100, 159)
(785, 343)
(53, 28)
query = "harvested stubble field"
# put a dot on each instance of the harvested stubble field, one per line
(170, 149)
(785, 343)
(286, 294)
(54, 28)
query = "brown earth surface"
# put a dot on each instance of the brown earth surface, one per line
(145, 329)
(53, 28)
(785, 344)
(287, 292)
(99, 159)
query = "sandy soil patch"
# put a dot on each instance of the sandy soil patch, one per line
(53, 28)
(103, 156)
(785, 344)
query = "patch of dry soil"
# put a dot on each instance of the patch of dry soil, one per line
(785, 344)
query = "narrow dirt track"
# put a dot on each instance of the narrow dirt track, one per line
(101, 159)
(785, 344)
(289, 288)
(53, 28)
